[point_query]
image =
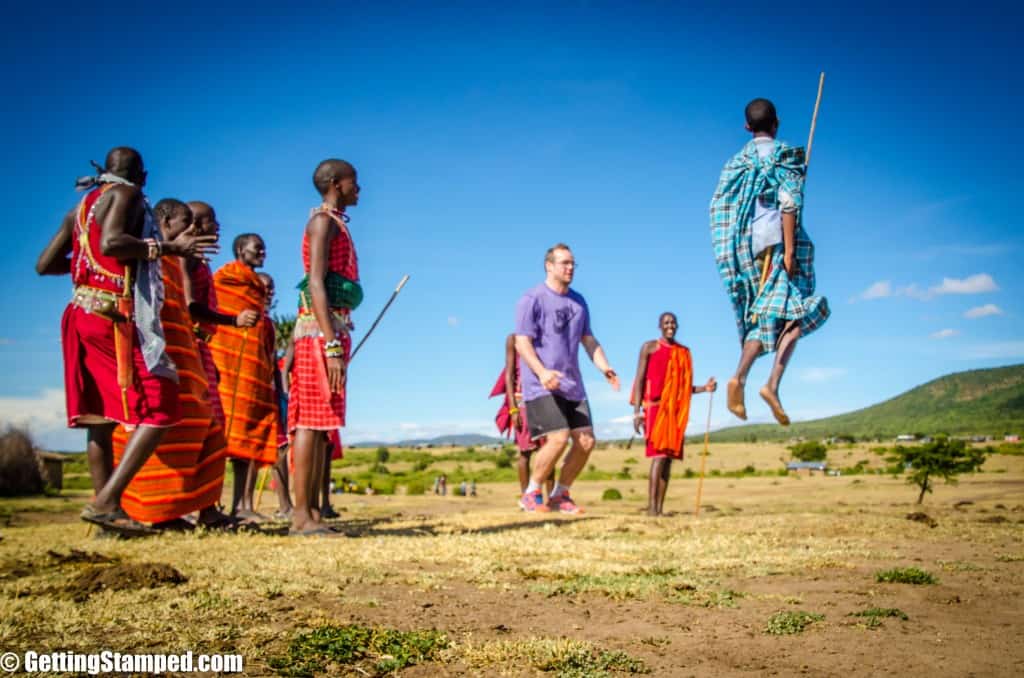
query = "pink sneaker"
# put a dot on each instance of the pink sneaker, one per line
(533, 502)
(564, 504)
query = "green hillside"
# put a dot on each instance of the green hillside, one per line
(977, 402)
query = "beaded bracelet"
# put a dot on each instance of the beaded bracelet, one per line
(513, 410)
(152, 248)
(332, 348)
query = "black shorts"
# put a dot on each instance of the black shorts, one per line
(551, 413)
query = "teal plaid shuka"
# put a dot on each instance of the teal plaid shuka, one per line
(745, 178)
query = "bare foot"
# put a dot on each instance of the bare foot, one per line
(735, 399)
(773, 402)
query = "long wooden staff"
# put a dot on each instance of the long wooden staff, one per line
(704, 455)
(380, 315)
(807, 161)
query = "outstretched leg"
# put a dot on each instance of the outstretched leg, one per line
(139, 448)
(770, 391)
(751, 350)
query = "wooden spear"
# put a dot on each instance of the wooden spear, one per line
(704, 456)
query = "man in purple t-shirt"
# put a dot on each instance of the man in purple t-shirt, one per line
(551, 323)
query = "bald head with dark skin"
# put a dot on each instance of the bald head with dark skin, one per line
(126, 162)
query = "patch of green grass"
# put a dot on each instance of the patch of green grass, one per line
(564, 657)
(611, 494)
(905, 575)
(789, 622)
(873, 616)
(372, 651)
(1010, 557)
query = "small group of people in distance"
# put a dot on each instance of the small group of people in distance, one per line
(173, 369)
(765, 260)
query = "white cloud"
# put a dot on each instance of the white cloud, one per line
(973, 284)
(982, 311)
(391, 433)
(624, 419)
(878, 290)
(817, 375)
(998, 350)
(452, 321)
(944, 334)
(45, 418)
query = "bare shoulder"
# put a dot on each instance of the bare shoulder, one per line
(320, 224)
(649, 347)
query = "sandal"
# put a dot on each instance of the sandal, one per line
(116, 521)
(174, 525)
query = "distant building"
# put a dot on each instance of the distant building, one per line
(905, 438)
(809, 466)
(1011, 439)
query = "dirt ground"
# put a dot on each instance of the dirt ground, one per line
(681, 595)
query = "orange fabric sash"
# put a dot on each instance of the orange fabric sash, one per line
(246, 371)
(674, 413)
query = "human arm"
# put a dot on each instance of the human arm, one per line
(710, 386)
(286, 370)
(201, 311)
(510, 380)
(789, 242)
(124, 207)
(320, 231)
(548, 378)
(596, 353)
(55, 257)
(639, 382)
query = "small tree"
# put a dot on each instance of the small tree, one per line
(809, 450)
(284, 326)
(942, 458)
(383, 455)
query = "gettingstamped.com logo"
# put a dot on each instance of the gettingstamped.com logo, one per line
(116, 662)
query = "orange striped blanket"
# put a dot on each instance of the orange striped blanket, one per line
(246, 370)
(186, 473)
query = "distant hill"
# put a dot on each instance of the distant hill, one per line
(981, 402)
(456, 440)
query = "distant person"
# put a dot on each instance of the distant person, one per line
(329, 292)
(663, 386)
(763, 254)
(116, 367)
(444, 485)
(472, 488)
(463, 489)
(552, 321)
(246, 372)
(511, 417)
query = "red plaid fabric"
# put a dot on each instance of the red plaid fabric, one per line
(310, 402)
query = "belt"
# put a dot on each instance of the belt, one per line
(307, 326)
(202, 334)
(103, 303)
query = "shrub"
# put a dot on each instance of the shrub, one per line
(415, 487)
(502, 461)
(382, 455)
(905, 575)
(809, 450)
(611, 494)
(19, 465)
(789, 622)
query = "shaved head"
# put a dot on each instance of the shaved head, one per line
(761, 116)
(330, 171)
(125, 162)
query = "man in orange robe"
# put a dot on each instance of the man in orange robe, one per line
(186, 473)
(246, 371)
(663, 386)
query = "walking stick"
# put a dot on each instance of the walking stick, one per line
(704, 456)
(380, 315)
(260, 484)
(807, 162)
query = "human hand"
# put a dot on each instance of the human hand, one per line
(638, 423)
(789, 263)
(247, 318)
(190, 244)
(336, 374)
(612, 378)
(711, 386)
(515, 420)
(549, 379)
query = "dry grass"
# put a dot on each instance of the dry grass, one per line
(252, 594)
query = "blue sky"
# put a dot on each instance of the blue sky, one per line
(484, 135)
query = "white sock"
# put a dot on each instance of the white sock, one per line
(560, 489)
(534, 486)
